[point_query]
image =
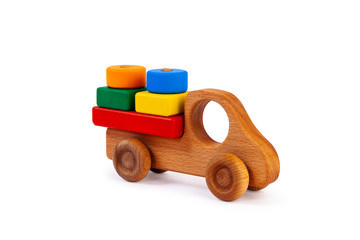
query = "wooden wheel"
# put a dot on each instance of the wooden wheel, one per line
(227, 177)
(155, 170)
(131, 159)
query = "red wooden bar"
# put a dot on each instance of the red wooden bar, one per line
(168, 127)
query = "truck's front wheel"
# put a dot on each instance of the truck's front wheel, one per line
(227, 177)
(131, 159)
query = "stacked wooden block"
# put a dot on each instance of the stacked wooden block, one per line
(159, 111)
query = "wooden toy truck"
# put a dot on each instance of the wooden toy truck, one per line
(245, 160)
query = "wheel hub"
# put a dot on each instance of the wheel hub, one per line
(127, 160)
(223, 178)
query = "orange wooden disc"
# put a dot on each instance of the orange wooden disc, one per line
(126, 76)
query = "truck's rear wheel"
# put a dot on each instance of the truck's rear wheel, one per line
(227, 177)
(131, 159)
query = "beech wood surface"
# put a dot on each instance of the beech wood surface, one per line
(227, 177)
(192, 153)
(132, 159)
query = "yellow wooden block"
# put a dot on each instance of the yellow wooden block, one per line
(160, 104)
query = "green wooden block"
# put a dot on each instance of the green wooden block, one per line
(114, 98)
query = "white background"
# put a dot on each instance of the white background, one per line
(293, 64)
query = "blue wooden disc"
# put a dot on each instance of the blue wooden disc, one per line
(167, 81)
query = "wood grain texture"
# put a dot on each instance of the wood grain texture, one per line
(227, 177)
(192, 153)
(132, 159)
